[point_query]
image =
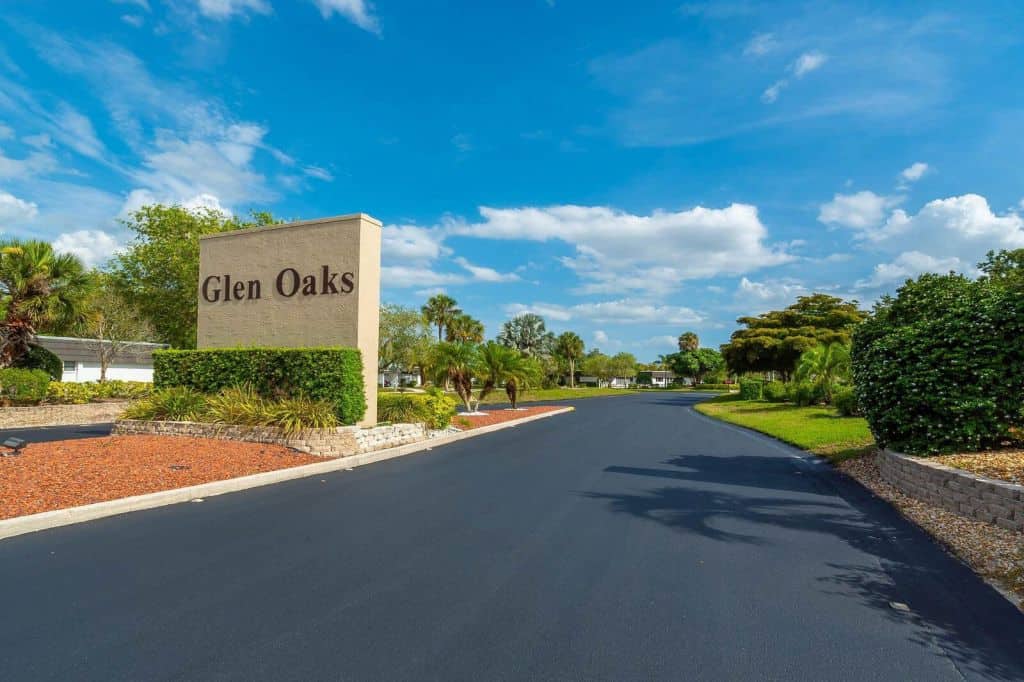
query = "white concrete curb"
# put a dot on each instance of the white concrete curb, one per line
(89, 512)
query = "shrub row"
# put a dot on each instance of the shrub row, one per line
(751, 389)
(715, 387)
(70, 393)
(435, 409)
(239, 405)
(334, 375)
(38, 357)
(23, 386)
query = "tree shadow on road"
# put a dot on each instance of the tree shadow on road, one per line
(952, 608)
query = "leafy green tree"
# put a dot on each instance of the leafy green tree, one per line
(159, 271)
(597, 364)
(569, 346)
(404, 338)
(1004, 267)
(622, 365)
(464, 328)
(111, 323)
(698, 364)
(440, 309)
(527, 333)
(774, 341)
(39, 289)
(456, 364)
(824, 367)
(688, 342)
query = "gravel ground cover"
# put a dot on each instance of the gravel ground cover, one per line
(993, 552)
(69, 473)
(1006, 465)
(468, 422)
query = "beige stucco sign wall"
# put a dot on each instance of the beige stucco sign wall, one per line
(310, 283)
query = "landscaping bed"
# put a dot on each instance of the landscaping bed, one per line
(1005, 465)
(466, 422)
(61, 474)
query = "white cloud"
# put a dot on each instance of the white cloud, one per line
(907, 266)
(142, 4)
(662, 341)
(14, 210)
(6, 132)
(462, 142)
(93, 247)
(859, 211)
(914, 171)
(772, 93)
(760, 45)
(79, 133)
(135, 20)
(138, 198)
(622, 311)
(359, 12)
(485, 274)
(616, 250)
(318, 173)
(225, 9)
(600, 336)
(35, 163)
(411, 243)
(756, 297)
(807, 62)
(407, 276)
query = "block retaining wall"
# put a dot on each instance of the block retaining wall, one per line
(955, 490)
(342, 441)
(57, 415)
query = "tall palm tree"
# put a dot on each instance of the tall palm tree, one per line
(456, 363)
(440, 310)
(570, 347)
(688, 342)
(38, 288)
(824, 367)
(464, 328)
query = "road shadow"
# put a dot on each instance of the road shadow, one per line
(979, 630)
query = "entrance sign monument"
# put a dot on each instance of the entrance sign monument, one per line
(297, 285)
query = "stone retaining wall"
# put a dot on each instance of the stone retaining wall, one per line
(955, 490)
(342, 441)
(57, 415)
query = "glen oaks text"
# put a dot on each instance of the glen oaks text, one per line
(288, 283)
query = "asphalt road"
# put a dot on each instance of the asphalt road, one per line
(633, 539)
(40, 434)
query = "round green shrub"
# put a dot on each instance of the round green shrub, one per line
(23, 386)
(940, 367)
(38, 357)
(844, 399)
(750, 389)
(804, 393)
(775, 391)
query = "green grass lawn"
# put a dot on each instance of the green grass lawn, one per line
(545, 394)
(816, 429)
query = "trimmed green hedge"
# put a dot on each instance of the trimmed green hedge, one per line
(79, 393)
(23, 386)
(435, 409)
(331, 374)
(750, 389)
(38, 357)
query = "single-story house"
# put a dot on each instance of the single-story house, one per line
(393, 378)
(611, 382)
(659, 378)
(134, 362)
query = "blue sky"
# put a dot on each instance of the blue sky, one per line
(628, 170)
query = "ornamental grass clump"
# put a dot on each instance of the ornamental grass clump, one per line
(178, 404)
(940, 366)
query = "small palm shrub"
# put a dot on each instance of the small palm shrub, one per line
(401, 408)
(844, 399)
(774, 391)
(750, 389)
(237, 405)
(177, 403)
(294, 415)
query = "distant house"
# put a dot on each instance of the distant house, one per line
(657, 378)
(133, 362)
(597, 382)
(393, 378)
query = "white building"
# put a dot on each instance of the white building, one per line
(81, 359)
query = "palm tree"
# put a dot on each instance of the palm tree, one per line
(688, 342)
(501, 364)
(464, 328)
(456, 363)
(824, 367)
(525, 332)
(440, 310)
(38, 288)
(570, 346)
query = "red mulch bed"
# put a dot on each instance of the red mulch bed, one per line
(498, 416)
(69, 473)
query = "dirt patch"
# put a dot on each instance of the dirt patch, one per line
(1005, 465)
(994, 552)
(468, 422)
(69, 473)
